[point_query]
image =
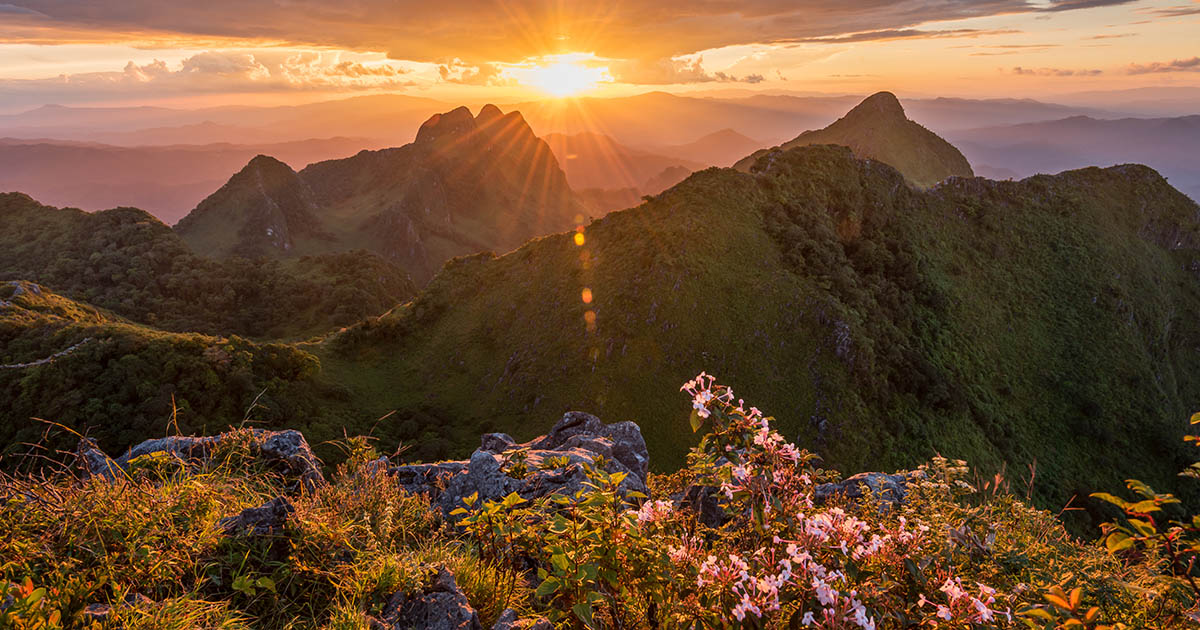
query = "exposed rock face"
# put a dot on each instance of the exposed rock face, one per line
(578, 439)
(268, 520)
(440, 606)
(286, 449)
(890, 490)
(508, 621)
(466, 184)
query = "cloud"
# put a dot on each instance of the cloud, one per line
(672, 71)
(487, 31)
(213, 72)
(1177, 65)
(484, 74)
(1177, 11)
(1072, 5)
(1055, 72)
(891, 34)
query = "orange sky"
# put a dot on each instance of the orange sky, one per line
(285, 51)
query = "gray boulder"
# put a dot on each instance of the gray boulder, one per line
(268, 520)
(890, 490)
(508, 621)
(439, 606)
(553, 463)
(286, 450)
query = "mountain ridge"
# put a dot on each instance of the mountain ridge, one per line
(877, 128)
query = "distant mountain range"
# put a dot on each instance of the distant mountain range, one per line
(466, 184)
(592, 160)
(878, 129)
(714, 130)
(166, 181)
(1166, 144)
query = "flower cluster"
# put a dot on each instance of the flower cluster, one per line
(807, 556)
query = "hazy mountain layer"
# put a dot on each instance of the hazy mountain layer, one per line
(166, 181)
(1165, 144)
(877, 129)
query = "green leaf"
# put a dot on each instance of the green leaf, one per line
(1113, 499)
(1118, 541)
(696, 421)
(266, 582)
(1196, 418)
(583, 610)
(559, 562)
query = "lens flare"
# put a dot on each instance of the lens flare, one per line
(562, 76)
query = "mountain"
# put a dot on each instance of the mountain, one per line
(466, 184)
(92, 371)
(878, 129)
(166, 181)
(132, 264)
(719, 148)
(1048, 320)
(1166, 144)
(592, 160)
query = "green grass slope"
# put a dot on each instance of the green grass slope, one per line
(119, 382)
(1052, 320)
(878, 129)
(126, 261)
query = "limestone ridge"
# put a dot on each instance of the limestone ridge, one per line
(268, 203)
(878, 129)
(465, 184)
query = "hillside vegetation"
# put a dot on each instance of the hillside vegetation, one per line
(246, 532)
(85, 370)
(130, 263)
(1046, 322)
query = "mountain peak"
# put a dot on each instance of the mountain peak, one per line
(879, 105)
(262, 161)
(878, 129)
(488, 114)
(455, 122)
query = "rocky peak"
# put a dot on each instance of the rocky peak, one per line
(878, 106)
(454, 123)
(489, 114)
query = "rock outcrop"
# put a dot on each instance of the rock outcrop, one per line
(508, 621)
(889, 490)
(439, 606)
(286, 450)
(267, 520)
(552, 463)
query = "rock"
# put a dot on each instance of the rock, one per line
(508, 621)
(439, 606)
(97, 613)
(889, 489)
(577, 440)
(94, 462)
(287, 450)
(268, 520)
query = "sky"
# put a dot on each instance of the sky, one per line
(222, 52)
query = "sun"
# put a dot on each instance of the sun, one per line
(562, 78)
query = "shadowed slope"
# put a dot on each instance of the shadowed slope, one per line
(466, 184)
